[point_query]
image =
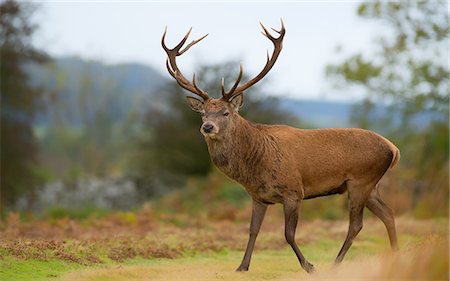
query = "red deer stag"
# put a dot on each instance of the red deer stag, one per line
(282, 164)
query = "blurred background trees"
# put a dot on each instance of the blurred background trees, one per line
(408, 73)
(20, 103)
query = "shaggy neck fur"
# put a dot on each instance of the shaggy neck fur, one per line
(240, 153)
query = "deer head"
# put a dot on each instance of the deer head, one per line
(218, 115)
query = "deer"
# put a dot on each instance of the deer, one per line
(279, 164)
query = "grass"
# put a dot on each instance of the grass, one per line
(427, 262)
(368, 251)
(36, 270)
(201, 267)
(145, 245)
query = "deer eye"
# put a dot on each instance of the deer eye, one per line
(226, 114)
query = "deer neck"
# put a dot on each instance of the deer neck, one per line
(240, 149)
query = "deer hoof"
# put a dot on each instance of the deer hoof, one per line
(242, 268)
(309, 267)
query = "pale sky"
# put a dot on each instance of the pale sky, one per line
(121, 32)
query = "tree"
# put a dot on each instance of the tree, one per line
(19, 103)
(408, 67)
(171, 147)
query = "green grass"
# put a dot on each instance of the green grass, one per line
(24, 270)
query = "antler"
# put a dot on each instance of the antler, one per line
(173, 69)
(278, 44)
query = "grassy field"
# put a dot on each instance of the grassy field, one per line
(145, 245)
(424, 263)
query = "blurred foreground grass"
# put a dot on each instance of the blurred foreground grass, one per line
(144, 245)
(424, 259)
(426, 262)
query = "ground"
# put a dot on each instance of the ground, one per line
(143, 245)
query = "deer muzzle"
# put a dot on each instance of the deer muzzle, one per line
(209, 128)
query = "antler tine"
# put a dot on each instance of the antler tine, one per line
(266, 32)
(192, 44)
(178, 47)
(163, 39)
(228, 95)
(179, 77)
(195, 84)
(223, 88)
(278, 44)
(172, 67)
(171, 72)
(282, 30)
(236, 84)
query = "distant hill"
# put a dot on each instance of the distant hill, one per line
(329, 114)
(123, 87)
(79, 86)
(322, 114)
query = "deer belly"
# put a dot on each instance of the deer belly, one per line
(325, 192)
(271, 195)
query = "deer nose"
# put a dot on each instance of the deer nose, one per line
(208, 127)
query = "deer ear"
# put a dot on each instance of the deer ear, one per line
(237, 102)
(195, 104)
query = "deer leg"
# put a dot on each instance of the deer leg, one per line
(258, 212)
(385, 214)
(356, 201)
(291, 218)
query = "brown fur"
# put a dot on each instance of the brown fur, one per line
(305, 163)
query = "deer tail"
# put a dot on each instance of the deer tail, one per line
(395, 153)
(395, 158)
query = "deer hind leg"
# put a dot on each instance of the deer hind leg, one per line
(385, 214)
(357, 198)
(291, 218)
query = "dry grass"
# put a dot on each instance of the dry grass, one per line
(429, 261)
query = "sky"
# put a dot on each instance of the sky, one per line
(124, 32)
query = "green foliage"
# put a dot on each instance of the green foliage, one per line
(356, 70)
(57, 212)
(82, 136)
(212, 195)
(327, 208)
(407, 66)
(233, 193)
(19, 104)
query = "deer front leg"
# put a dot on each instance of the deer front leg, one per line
(291, 218)
(258, 212)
